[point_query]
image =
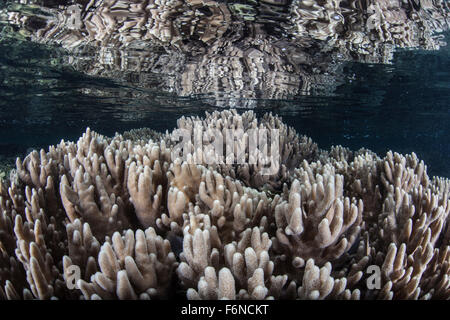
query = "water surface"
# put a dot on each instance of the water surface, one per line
(49, 93)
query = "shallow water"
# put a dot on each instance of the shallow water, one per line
(403, 106)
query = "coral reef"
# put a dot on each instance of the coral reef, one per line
(130, 218)
(6, 165)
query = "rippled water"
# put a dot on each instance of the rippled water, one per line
(403, 106)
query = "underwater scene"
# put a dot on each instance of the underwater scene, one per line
(224, 150)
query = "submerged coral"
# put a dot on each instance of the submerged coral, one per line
(128, 218)
(6, 165)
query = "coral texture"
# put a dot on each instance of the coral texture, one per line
(128, 218)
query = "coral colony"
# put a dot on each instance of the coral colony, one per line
(145, 215)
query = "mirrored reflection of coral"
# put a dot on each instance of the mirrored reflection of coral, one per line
(228, 49)
(132, 220)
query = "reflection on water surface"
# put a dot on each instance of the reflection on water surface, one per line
(358, 73)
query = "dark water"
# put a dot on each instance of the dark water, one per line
(403, 106)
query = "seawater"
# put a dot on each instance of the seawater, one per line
(403, 106)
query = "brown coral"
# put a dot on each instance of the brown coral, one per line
(129, 219)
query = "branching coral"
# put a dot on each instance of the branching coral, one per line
(119, 218)
(133, 265)
(317, 221)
